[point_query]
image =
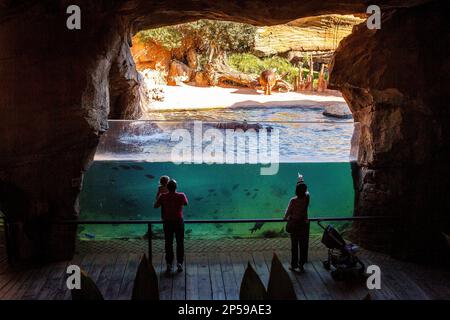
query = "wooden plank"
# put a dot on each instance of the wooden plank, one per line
(310, 281)
(7, 280)
(126, 287)
(113, 289)
(402, 285)
(204, 281)
(159, 265)
(105, 265)
(337, 288)
(179, 285)
(87, 262)
(261, 267)
(192, 291)
(434, 281)
(36, 282)
(239, 265)
(165, 283)
(19, 293)
(215, 271)
(53, 282)
(230, 284)
(10, 289)
(268, 255)
(386, 292)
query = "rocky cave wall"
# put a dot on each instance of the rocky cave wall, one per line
(54, 105)
(57, 88)
(396, 82)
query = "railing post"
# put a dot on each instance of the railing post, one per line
(149, 239)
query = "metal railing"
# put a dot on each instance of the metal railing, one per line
(150, 224)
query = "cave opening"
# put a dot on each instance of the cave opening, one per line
(393, 91)
(188, 76)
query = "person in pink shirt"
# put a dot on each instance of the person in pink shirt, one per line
(172, 204)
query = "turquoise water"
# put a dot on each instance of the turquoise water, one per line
(132, 155)
(126, 190)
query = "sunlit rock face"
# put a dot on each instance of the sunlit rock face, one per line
(125, 86)
(58, 87)
(311, 34)
(396, 83)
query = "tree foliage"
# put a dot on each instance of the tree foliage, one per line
(223, 36)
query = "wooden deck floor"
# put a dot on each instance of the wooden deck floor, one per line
(217, 275)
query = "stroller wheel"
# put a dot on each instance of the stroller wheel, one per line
(326, 265)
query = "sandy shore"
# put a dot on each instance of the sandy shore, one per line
(191, 97)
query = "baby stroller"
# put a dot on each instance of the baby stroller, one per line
(341, 255)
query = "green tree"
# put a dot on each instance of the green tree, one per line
(207, 36)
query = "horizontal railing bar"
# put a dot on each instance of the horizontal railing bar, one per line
(268, 220)
(236, 121)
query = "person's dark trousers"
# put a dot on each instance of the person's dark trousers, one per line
(174, 228)
(299, 245)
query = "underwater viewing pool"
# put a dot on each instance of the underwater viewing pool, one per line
(122, 182)
(126, 190)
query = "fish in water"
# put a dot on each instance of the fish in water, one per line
(211, 190)
(136, 167)
(188, 231)
(215, 211)
(198, 198)
(89, 235)
(125, 167)
(248, 194)
(235, 186)
(257, 226)
(254, 196)
(256, 190)
(150, 176)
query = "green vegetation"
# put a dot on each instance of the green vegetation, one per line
(249, 63)
(204, 35)
(169, 37)
(213, 39)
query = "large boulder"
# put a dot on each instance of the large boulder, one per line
(126, 87)
(149, 54)
(395, 81)
(337, 110)
(178, 73)
(318, 33)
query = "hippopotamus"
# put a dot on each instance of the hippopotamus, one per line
(241, 125)
(267, 80)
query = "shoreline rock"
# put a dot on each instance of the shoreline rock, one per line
(340, 111)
